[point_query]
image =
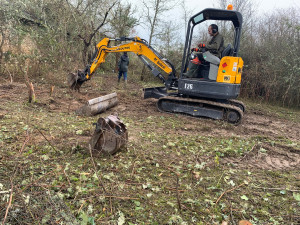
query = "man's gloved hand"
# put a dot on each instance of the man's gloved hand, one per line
(194, 49)
(201, 45)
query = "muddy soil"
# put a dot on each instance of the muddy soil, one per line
(270, 157)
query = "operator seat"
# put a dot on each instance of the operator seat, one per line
(209, 70)
(215, 61)
(227, 51)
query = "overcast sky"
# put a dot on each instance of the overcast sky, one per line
(263, 6)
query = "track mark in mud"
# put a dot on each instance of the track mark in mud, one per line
(269, 126)
(266, 156)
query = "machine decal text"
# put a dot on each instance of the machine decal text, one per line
(188, 86)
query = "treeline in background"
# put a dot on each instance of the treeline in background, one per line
(46, 39)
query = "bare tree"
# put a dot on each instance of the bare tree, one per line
(153, 16)
(122, 22)
(168, 38)
(187, 14)
(170, 43)
(246, 8)
(94, 14)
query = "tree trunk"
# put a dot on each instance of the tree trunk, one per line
(31, 93)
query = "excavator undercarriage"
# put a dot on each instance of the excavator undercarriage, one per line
(229, 110)
(201, 108)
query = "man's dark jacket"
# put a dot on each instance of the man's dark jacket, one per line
(216, 45)
(123, 63)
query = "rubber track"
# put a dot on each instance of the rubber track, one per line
(201, 101)
(236, 103)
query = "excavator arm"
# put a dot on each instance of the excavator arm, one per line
(136, 45)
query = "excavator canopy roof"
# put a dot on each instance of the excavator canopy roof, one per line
(218, 14)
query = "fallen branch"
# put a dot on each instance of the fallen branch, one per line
(95, 169)
(113, 196)
(35, 181)
(174, 189)
(133, 168)
(119, 197)
(5, 192)
(110, 201)
(4, 96)
(9, 204)
(277, 189)
(67, 177)
(80, 208)
(193, 210)
(25, 142)
(46, 140)
(177, 192)
(229, 191)
(247, 153)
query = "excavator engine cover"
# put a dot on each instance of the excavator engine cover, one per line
(109, 136)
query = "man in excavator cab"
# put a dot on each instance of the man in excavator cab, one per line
(215, 47)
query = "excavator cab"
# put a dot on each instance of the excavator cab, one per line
(217, 78)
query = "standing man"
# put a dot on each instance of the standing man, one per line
(123, 67)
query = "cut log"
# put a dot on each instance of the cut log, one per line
(98, 105)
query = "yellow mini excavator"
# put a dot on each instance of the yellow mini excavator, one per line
(211, 93)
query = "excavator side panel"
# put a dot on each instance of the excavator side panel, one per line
(208, 89)
(230, 70)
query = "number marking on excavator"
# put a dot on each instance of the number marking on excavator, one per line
(188, 86)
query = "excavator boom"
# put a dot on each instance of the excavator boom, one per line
(136, 45)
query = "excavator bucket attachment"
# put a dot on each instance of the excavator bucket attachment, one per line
(75, 80)
(156, 92)
(109, 136)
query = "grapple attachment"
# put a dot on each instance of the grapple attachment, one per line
(75, 80)
(109, 136)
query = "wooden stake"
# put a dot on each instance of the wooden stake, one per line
(51, 90)
(31, 97)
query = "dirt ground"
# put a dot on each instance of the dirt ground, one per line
(256, 121)
(265, 145)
